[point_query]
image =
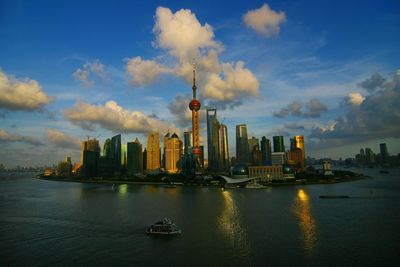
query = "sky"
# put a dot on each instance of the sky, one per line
(69, 70)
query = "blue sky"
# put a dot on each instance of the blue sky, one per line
(327, 70)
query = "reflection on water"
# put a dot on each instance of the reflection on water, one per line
(301, 209)
(229, 223)
(123, 189)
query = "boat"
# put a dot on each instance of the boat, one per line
(383, 171)
(164, 227)
(255, 186)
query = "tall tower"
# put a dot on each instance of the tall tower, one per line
(242, 144)
(194, 106)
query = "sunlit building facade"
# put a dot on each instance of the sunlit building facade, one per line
(173, 153)
(153, 152)
(224, 148)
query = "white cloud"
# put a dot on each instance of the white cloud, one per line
(143, 71)
(184, 38)
(7, 137)
(113, 117)
(237, 82)
(21, 95)
(85, 74)
(355, 99)
(264, 20)
(62, 140)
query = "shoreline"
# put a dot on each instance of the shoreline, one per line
(271, 184)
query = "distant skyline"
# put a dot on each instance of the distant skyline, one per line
(328, 70)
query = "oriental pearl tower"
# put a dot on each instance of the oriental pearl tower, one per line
(194, 106)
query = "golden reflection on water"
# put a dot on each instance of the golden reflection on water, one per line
(301, 209)
(229, 224)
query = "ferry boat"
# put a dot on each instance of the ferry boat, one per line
(164, 227)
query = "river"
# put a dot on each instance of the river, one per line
(64, 223)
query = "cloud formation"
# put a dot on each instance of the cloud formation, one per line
(264, 20)
(144, 71)
(179, 108)
(6, 137)
(377, 116)
(113, 117)
(88, 71)
(313, 108)
(185, 40)
(62, 140)
(373, 83)
(355, 99)
(21, 95)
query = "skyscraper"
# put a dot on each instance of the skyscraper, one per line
(173, 153)
(279, 146)
(224, 147)
(297, 143)
(107, 148)
(135, 158)
(384, 153)
(213, 140)
(242, 144)
(266, 151)
(116, 153)
(187, 159)
(90, 157)
(153, 152)
(194, 106)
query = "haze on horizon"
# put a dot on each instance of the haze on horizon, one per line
(326, 70)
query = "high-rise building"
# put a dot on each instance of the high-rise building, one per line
(116, 153)
(90, 157)
(173, 153)
(124, 151)
(384, 153)
(153, 152)
(369, 156)
(254, 142)
(165, 139)
(213, 140)
(195, 106)
(145, 159)
(135, 158)
(242, 144)
(107, 148)
(187, 159)
(279, 145)
(296, 144)
(224, 148)
(266, 151)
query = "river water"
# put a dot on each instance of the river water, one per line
(62, 223)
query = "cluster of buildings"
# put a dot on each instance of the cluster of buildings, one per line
(368, 158)
(253, 157)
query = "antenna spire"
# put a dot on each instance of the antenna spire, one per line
(194, 81)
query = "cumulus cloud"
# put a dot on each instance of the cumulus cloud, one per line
(113, 117)
(314, 108)
(62, 140)
(185, 39)
(378, 116)
(6, 137)
(144, 71)
(264, 20)
(21, 95)
(373, 83)
(355, 99)
(88, 71)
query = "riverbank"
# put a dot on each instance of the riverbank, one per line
(203, 183)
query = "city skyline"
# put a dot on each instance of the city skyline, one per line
(285, 76)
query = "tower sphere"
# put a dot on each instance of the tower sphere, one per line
(194, 105)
